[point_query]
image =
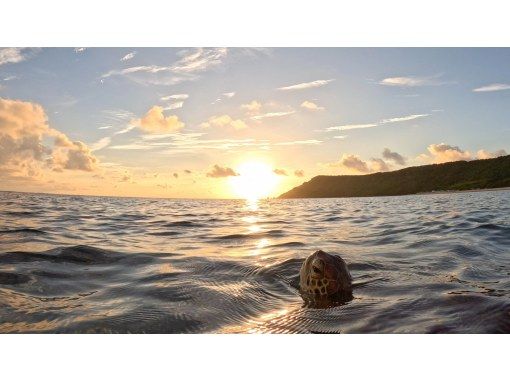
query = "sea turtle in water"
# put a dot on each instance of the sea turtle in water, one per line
(324, 280)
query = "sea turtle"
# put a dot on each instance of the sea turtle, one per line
(324, 277)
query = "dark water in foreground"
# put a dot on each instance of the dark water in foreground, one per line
(434, 263)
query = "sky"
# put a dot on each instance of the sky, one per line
(241, 122)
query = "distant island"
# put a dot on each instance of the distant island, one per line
(450, 176)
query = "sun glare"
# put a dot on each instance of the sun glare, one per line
(255, 180)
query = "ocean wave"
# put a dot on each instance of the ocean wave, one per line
(435, 264)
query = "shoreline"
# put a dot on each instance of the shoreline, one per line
(463, 191)
(441, 192)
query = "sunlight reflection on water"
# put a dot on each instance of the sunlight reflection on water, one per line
(433, 263)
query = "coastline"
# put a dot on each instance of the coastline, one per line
(506, 188)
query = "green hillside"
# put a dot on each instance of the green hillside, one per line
(460, 175)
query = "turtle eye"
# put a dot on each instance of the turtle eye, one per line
(316, 270)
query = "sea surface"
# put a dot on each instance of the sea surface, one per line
(437, 263)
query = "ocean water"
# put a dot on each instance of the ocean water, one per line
(436, 263)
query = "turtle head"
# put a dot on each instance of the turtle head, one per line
(323, 275)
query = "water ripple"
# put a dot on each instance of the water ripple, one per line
(421, 264)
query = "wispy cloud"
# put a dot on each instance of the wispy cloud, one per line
(79, 49)
(350, 126)
(403, 118)
(130, 147)
(179, 142)
(126, 129)
(493, 87)
(253, 107)
(224, 121)
(305, 85)
(191, 63)
(175, 97)
(299, 142)
(227, 95)
(101, 144)
(381, 122)
(128, 56)
(311, 106)
(272, 114)
(199, 60)
(412, 81)
(15, 55)
(173, 106)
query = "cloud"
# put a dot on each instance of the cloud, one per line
(79, 49)
(128, 56)
(412, 81)
(174, 106)
(252, 108)
(126, 177)
(403, 118)
(379, 165)
(303, 86)
(393, 156)
(272, 114)
(130, 147)
(224, 121)
(187, 171)
(175, 175)
(77, 157)
(220, 172)
(353, 163)
(101, 144)
(482, 154)
(224, 95)
(175, 97)
(155, 121)
(311, 106)
(280, 172)
(350, 126)
(199, 59)
(126, 129)
(299, 173)
(299, 142)
(23, 129)
(187, 68)
(376, 124)
(445, 153)
(340, 137)
(493, 87)
(14, 55)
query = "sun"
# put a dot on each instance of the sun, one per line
(255, 180)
